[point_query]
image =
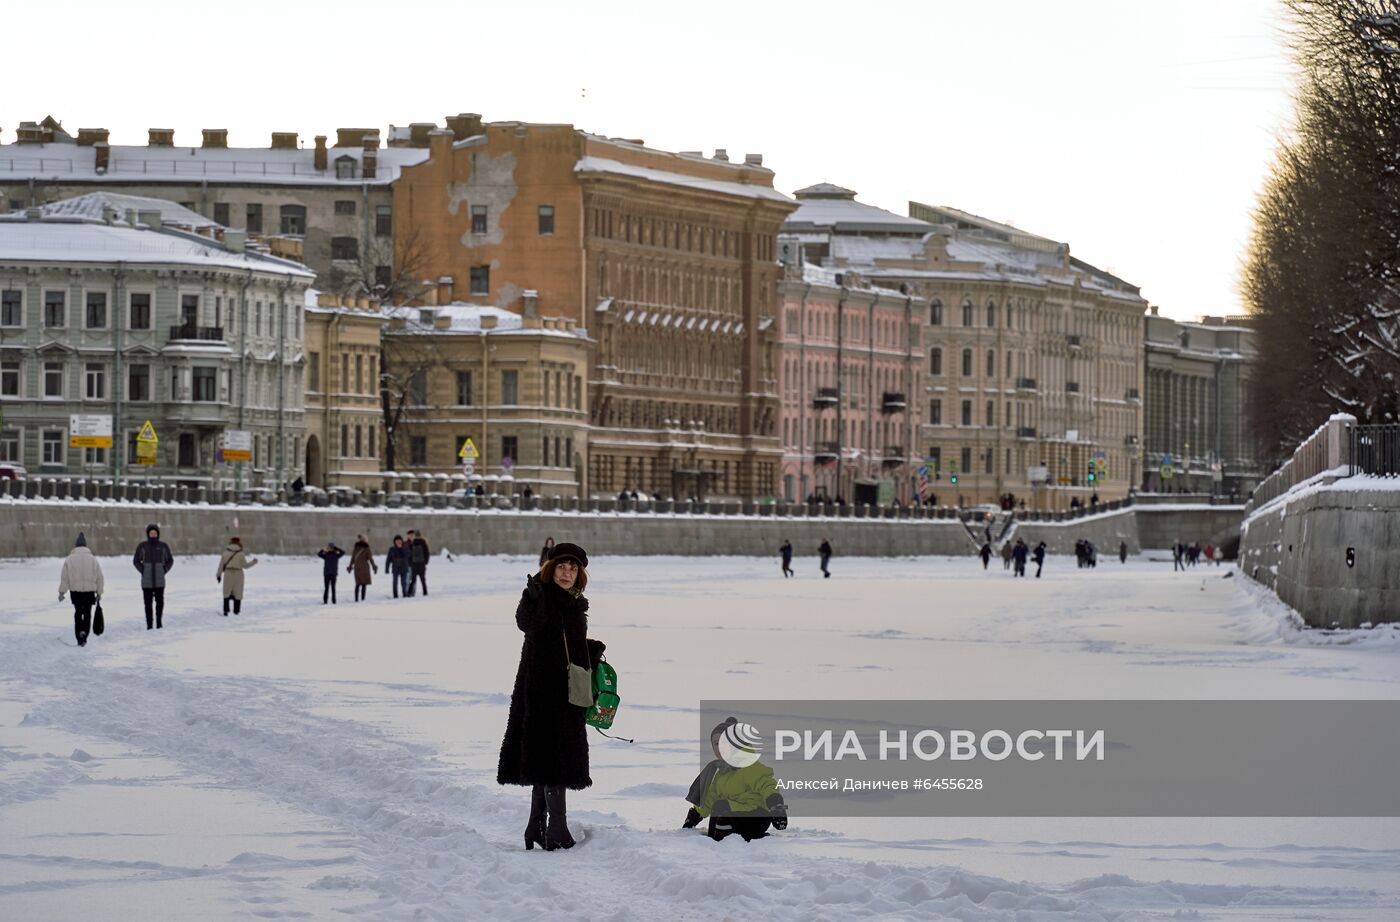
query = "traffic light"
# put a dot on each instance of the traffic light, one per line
(952, 473)
(1093, 475)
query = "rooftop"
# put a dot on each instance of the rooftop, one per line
(94, 205)
(833, 208)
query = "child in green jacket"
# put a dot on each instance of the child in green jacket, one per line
(736, 791)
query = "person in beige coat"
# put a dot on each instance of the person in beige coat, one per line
(231, 567)
(82, 576)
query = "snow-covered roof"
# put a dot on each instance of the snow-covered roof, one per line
(466, 318)
(83, 240)
(151, 165)
(591, 164)
(93, 204)
(830, 206)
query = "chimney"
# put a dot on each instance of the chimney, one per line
(109, 214)
(369, 160)
(320, 162)
(464, 125)
(87, 137)
(531, 297)
(284, 140)
(439, 144)
(149, 217)
(721, 154)
(418, 133)
(160, 137)
(131, 216)
(753, 160)
(216, 138)
(357, 137)
(103, 156)
(444, 290)
(234, 240)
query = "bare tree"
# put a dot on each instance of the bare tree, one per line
(408, 356)
(404, 256)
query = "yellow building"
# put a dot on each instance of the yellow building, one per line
(344, 416)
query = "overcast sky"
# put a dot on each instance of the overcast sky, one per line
(1137, 132)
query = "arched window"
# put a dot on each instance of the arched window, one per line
(935, 313)
(967, 312)
(991, 363)
(967, 363)
(991, 313)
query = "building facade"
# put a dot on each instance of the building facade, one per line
(668, 260)
(514, 384)
(113, 312)
(344, 413)
(1196, 418)
(1032, 359)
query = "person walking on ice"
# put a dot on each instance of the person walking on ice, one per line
(786, 551)
(396, 565)
(986, 555)
(82, 577)
(825, 552)
(1039, 556)
(232, 563)
(361, 561)
(153, 560)
(330, 569)
(418, 555)
(1006, 556)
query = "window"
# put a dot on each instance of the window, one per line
(138, 382)
(991, 363)
(418, 450)
(95, 316)
(221, 213)
(935, 313)
(967, 412)
(186, 450)
(991, 313)
(253, 222)
(55, 309)
(53, 446)
(935, 361)
(371, 442)
(9, 445)
(344, 373)
(991, 413)
(546, 219)
(294, 219)
(95, 456)
(53, 380)
(967, 363)
(344, 168)
(568, 451)
(140, 310)
(345, 248)
(989, 460)
(205, 388)
(345, 206)
(967, 460)
(481, 280)
(384, 221)
(509, 449)
(383, 277)
(935, 412)
(359, 374)
(464, 388)
(344, 440)
(11, 308)
(967, 313)
(510, 381)
(189, 310)
(313, 371)
(96, 376)
(478, 219)
(418, 388)
(9, 378)
(359, 441)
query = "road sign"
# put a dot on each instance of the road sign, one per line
(146, 444)
(89, 431)
(469, 468)
(238, 445)
(1037, 473)
(147, 433)
(468, 451)
(507, 462)
(1167, 471)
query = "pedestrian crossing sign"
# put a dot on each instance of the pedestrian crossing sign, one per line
(147, 433)
(468, 451)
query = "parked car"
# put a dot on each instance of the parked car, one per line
(10, 470)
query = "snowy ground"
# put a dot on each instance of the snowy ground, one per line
(303, 761)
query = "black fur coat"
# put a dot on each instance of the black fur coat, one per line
(546, 740)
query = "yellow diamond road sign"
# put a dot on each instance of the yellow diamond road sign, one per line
(469, 450)
(147, 433)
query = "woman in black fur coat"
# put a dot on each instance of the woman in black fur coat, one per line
(546, 744)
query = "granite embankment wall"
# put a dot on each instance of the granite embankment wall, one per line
(1329, 551)
(31, 528)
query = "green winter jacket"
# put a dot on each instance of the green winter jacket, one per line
(747, 789)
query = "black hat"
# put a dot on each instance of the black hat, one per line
(153, 527)
(571, 551)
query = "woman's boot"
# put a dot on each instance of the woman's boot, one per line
(556, 833)
(534, 829)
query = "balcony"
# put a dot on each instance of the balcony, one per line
(827, 397)
(826, 452)
(1072, 387)
(1025, 432)
(892, 402)
(1132, 394)
(1025, 384)
(893, 456)
(197, 333)
(1073, 340)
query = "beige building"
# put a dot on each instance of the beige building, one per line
(1032, 358)
(344, 414)
(515, 384)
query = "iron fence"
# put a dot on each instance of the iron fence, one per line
(1375, 450)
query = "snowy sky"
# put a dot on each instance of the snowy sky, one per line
(1140, 133)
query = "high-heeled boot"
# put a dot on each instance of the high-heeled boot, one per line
(534, 829)
(556, 831)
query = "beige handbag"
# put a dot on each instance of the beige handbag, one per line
(580, 679)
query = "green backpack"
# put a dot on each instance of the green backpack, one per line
(605, 698)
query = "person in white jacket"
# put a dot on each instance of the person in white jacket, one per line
(82, 577)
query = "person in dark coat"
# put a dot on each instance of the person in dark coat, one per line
(1006, 556)
(545, 551)
(330, 557)
(1039, 558)
(545, 744)
(153, 560)
(986, 555)
(418, 555)
(361, 562)
(786, 551)
(825, 552)
(1122, 552)
(1019, 554)
(396, 565)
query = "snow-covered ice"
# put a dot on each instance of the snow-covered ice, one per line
(309, 761)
